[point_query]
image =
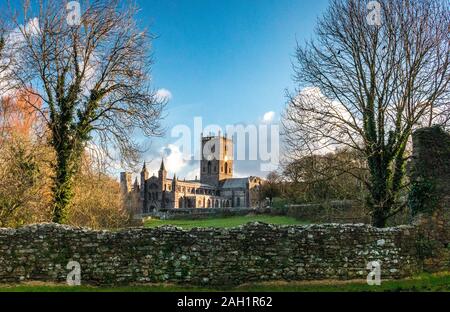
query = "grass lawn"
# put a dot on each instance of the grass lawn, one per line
(423, 283)
(224, 222)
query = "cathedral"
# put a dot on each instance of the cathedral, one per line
(216, 187)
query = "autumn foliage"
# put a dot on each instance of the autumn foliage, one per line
(19, 114)
(27, 171)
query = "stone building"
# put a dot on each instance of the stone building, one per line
(216, 187)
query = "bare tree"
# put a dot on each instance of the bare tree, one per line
(4, 65)
(365, 84)
(331, 176)
(271, 187)
(94, 81)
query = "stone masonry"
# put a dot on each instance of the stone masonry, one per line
(255, 252)
(431, 168)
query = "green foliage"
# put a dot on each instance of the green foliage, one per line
(279, 205)
(271, 188)
(422, 197)
(430, 167)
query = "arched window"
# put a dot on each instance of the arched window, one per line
(217, 204)
(209, 203)
(226, 167)
(209, 167)
(238, 202)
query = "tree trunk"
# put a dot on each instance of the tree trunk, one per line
(68, 160)
(379, 218)
(379, 201)
(62, 191)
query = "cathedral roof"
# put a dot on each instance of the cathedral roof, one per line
(235, 183)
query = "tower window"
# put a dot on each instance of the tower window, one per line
(226, 167)
(209, 167)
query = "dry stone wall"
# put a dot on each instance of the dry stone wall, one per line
(255, 252)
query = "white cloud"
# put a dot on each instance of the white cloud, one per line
(163, 95)
(14, 41)
(173, 158)
(30, 28)
(268, 117)
(334, 120)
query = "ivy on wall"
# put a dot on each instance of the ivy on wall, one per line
(430, 170)
(423, 197)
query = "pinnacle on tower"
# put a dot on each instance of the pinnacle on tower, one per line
(162, 168)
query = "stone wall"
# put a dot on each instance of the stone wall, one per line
(255, 252)
(431, 164)
(430, 195)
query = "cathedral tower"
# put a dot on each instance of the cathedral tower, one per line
(162, 175)
(144, 178)
(217, 160)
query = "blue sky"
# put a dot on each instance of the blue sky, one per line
(227, 61)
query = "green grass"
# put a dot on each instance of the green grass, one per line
(224, 222)
(423, 283)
